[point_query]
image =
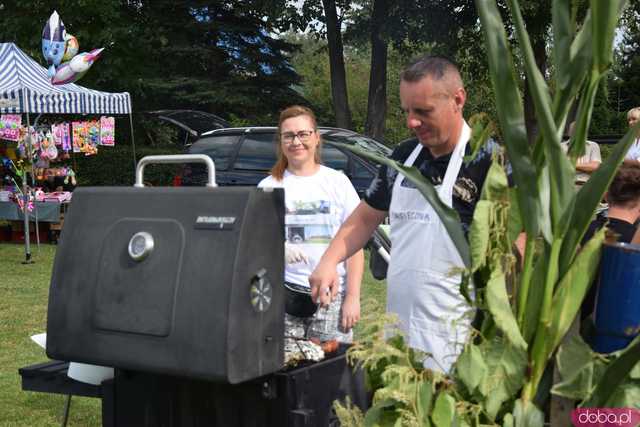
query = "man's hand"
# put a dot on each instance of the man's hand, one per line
(324, 283)
(294, 254)
(350, 312)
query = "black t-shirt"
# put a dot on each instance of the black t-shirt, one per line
(466, 190)
(625, 230)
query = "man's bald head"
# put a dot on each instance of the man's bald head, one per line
(437, 68)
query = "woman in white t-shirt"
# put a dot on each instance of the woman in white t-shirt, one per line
(318, 199)
(633, 116)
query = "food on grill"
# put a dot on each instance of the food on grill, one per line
(329, 346)
(300, 350)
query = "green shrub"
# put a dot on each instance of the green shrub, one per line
(114, 166)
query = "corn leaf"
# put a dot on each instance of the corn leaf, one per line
(423, 403)
(479, 234)
(481, 130)
(626, 395)
(508, 421)
(615, 374)
(561, 171)
(535, 296)
(514, 223)
(562, 38)
(572, 66)
(579, 369)
(604, 21)
(544, 218)
(510, 113)
(447, 215)
(573, 287)
(590, 196)
(444, 411)
(527, 414)
(500, 308)
(471, 367)
(506, 366)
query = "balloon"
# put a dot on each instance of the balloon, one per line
(53, 42)
(71, 47)
(75, 69)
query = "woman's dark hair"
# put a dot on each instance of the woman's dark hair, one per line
(625, 188)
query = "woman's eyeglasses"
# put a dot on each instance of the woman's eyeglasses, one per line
(289, 137)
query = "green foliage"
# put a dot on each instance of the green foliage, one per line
(590, 377)
(115, 166)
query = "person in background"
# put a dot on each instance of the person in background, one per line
(634, 151)
(589, 162)
(423, 289)
(318, 199)
(623, 197)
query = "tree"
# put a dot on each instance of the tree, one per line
(218, 56)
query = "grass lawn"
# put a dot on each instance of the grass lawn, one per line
(23, 312)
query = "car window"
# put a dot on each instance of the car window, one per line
(334, 158)
(220, 148)
(367, 143)
(257, 152)
(360, 171)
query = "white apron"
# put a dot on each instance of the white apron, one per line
(421, 289)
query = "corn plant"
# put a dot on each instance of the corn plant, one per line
(500, 373)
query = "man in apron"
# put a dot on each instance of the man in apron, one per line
(423, 287)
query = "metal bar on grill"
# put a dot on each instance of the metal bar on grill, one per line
(178, 158)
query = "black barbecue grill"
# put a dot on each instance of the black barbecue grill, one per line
(178, 281)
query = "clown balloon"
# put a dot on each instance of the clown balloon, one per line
(53, 42)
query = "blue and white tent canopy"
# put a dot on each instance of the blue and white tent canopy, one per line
(26, 88)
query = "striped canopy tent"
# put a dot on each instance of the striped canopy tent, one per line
(26, 88)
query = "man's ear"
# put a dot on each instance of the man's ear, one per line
(459, 98)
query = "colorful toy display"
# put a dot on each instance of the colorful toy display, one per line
(107, 128)
(10, 125)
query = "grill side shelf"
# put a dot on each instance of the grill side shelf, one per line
(51, 377)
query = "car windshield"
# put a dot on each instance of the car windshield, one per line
(364, 142)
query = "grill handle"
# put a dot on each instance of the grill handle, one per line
(177, 158)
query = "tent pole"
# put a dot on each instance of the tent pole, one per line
(133, 142)
(25, 197)
(33, 186)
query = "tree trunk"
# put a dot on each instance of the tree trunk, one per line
(336, 66)
(377, 102)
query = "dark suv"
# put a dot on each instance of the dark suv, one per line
(244, 156)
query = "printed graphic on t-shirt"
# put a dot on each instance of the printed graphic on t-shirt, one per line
(309, 222)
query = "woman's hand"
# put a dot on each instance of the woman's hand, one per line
(350, 312)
